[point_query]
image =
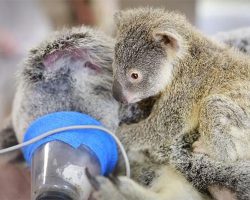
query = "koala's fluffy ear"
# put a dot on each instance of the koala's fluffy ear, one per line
(58, 57)
(171, 42)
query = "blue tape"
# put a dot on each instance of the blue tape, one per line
(101, 143)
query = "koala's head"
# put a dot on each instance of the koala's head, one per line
(70, 72)
(147, 46)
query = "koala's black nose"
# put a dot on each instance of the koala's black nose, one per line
(117, 92)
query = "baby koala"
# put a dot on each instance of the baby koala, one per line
(203, 88)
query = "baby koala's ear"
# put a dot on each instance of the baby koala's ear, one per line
(171, 42)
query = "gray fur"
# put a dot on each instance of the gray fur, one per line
(64, 82)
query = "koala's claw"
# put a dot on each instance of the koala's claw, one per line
(114, 179)
(104, 188)
(92, 180)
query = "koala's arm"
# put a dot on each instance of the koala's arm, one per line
(205, 173)
(225, 134)
(224, 126)
(168, 186)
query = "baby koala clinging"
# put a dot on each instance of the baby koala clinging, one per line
(202, 83)
(203, 87)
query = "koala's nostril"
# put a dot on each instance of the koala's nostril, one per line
(117, 92)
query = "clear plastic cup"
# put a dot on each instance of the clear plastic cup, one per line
(59, 172)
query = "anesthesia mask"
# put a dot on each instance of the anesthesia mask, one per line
(60, 147)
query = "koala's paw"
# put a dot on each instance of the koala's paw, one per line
(104, 188)
(117, 188)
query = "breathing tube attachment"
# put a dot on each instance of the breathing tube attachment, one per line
(60, 146)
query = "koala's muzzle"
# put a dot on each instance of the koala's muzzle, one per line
(118, 92)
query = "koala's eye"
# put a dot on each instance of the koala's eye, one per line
(134, 75)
